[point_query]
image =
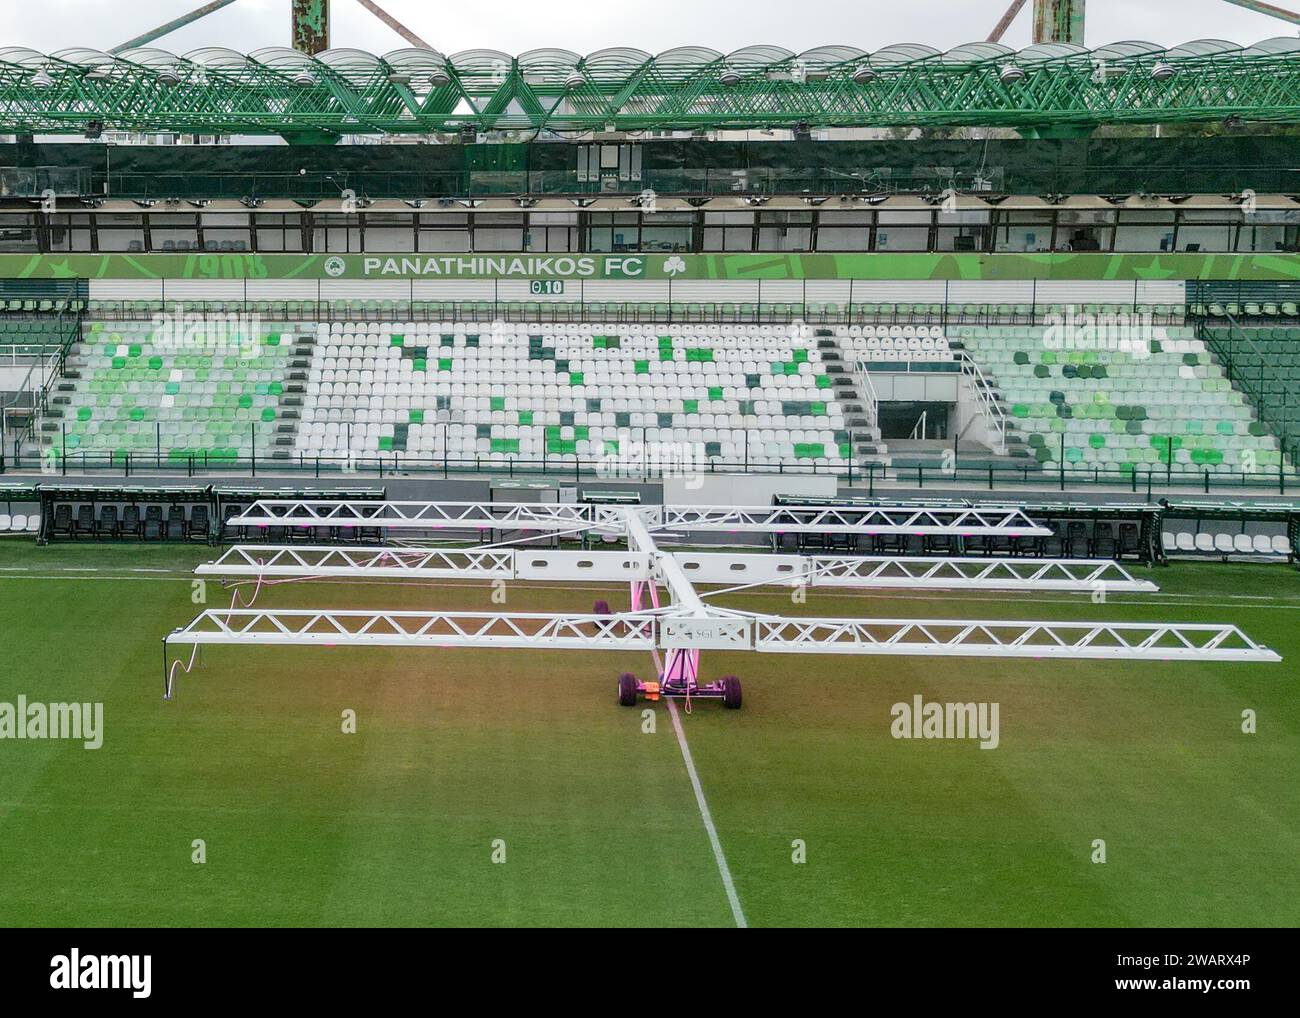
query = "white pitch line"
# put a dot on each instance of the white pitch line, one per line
(727, 883)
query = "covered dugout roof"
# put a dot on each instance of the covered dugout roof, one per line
(282, 91)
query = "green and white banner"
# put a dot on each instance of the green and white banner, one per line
(656, 267)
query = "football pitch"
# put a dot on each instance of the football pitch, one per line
(506, 787)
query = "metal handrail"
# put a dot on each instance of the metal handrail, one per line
(1257, 394)
(983, 388)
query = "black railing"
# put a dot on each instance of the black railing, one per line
(1145, 480)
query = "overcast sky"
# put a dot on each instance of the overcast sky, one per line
(518, 25)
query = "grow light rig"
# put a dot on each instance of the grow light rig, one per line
(687, 621)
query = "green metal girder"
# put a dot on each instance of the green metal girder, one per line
(1059, 21)
(354, 94)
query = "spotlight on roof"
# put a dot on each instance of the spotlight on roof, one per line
(99, 72)
(863, 74)
(1162, 71)
(169, 76)
(1009, 73)
(304, 78)
(729, 76)
(440, 78)
(399, 78)
(574, 79)
(42, 79)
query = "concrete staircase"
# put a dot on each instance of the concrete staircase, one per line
(859, 415)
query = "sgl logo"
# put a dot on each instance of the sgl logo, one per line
(75, 971)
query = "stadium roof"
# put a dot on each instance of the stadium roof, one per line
(283, 91)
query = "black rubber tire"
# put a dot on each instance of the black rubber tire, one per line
(601, 608)
(627, 690)
(731, 692)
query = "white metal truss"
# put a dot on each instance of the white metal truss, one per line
(1024, 574)
(687, 622)
(957, 521)
(541, 516)
(350, 562)
(538, 631)
(986, 638)
(645, 630)
(726, 568)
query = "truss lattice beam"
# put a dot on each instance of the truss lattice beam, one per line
(539, 516)
(537, 631)
(987, 638)
(884, 520)
(912, 573)
(342, 562)
(766, 634)
(347, 92)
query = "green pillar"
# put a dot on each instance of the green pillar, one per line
(1059, 21)
(311, 25)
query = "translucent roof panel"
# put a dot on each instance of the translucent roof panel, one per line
(479, 61)
(832, 55)
(345, 59)
(617, 58)
(217, 56)
(903, 53)
(1048, 52)
(1131, 48)
(759, 56)
(150, 56)
(281, 56)
(688, 55)
(1278, 46)
(414, 58)
(21, 56)
(83, 57)
(1202, 48)
(548, 57)
(977, 53)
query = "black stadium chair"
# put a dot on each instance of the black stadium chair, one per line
(176, 526)
(62, 520)
(108, 523)
(199, 523)
(153, 523)
(130, 522)
(1103, 544)
(85, 522)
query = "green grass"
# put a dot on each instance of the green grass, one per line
(394, 825)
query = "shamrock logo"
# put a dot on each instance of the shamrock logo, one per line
(674, 265)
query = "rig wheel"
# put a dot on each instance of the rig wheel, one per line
(731, 692)
(627, 690)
